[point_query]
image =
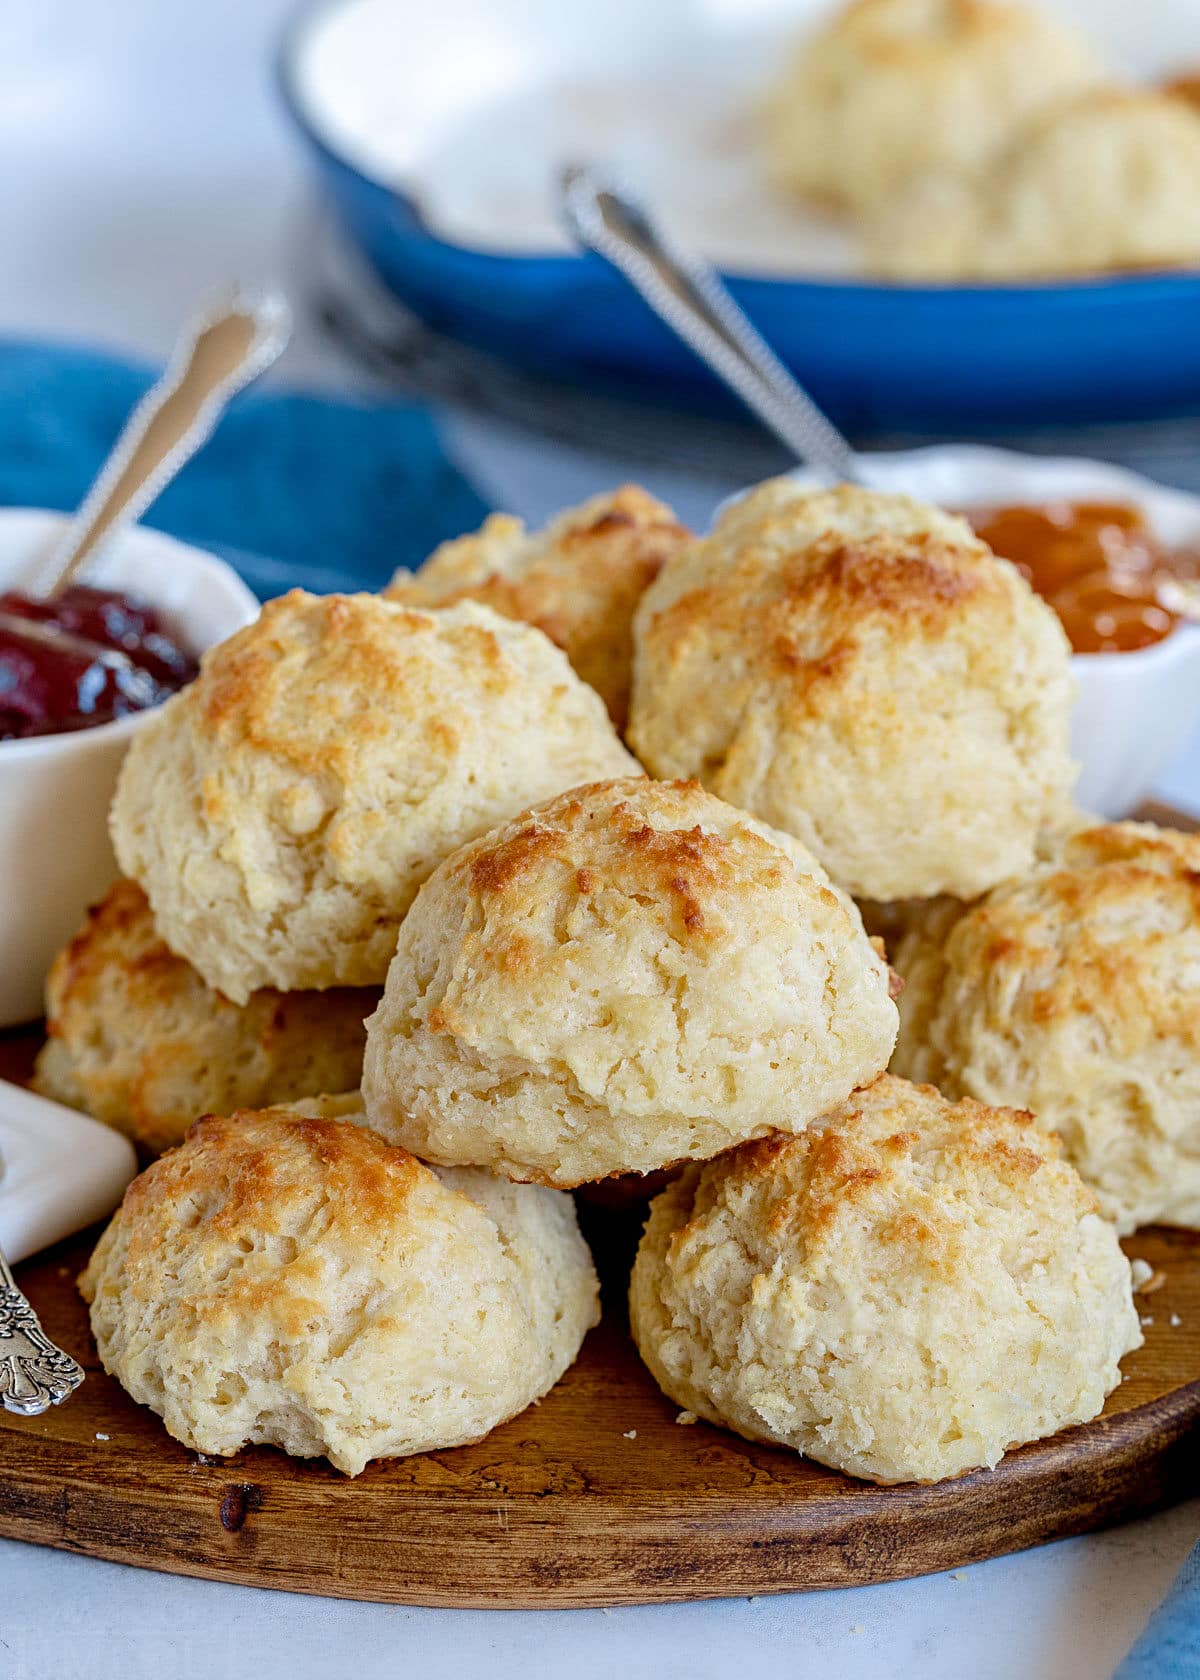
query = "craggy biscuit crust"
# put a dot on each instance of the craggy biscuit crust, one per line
(136, 1038)
(578, 580)
(627, 976)
(862, 672)
(903, 1292)
(282, 811)
(296, 1281)
(1075, 991)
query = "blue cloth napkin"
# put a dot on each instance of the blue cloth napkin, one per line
(290, 489)
(1170, 1647)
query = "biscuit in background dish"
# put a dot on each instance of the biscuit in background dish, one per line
(860, 670)
(1186, 85)
(904, 1291)
(282, 811)
(578, 580)
(297, 1282)
(1075, 991)
(138, 1040)
(1110, 182)
(889, 88)
(628, 976)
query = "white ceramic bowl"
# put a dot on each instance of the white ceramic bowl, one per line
(55, 790)
(1134, 711)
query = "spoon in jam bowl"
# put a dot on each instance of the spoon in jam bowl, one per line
(219, 353)
(73, 655)
(82, 670)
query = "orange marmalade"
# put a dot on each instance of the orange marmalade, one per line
(1098, 564)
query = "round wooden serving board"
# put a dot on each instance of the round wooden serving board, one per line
(596, 1496)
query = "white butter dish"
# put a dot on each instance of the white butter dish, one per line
(62, 1171)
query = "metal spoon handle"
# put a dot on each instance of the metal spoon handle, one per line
(688, 295)
(218, 354)
(34, 1374)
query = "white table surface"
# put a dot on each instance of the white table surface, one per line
(145, 163)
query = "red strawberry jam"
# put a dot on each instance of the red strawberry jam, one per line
(85, 658)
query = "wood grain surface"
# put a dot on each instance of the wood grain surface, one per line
(597, 1496)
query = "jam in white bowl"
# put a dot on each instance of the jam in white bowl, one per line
(55, 789)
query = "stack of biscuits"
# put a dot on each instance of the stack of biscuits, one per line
(580, 964)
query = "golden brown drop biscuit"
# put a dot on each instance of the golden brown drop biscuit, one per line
(630, 975)
(282, 811)
(1075, 991)
(298, 1282)
(904, 1291)
(859, 670)
(136, 1038)
(579, 580)
(889, 88)
(1108, 182)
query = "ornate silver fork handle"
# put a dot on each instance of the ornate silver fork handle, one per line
(34, 1374)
